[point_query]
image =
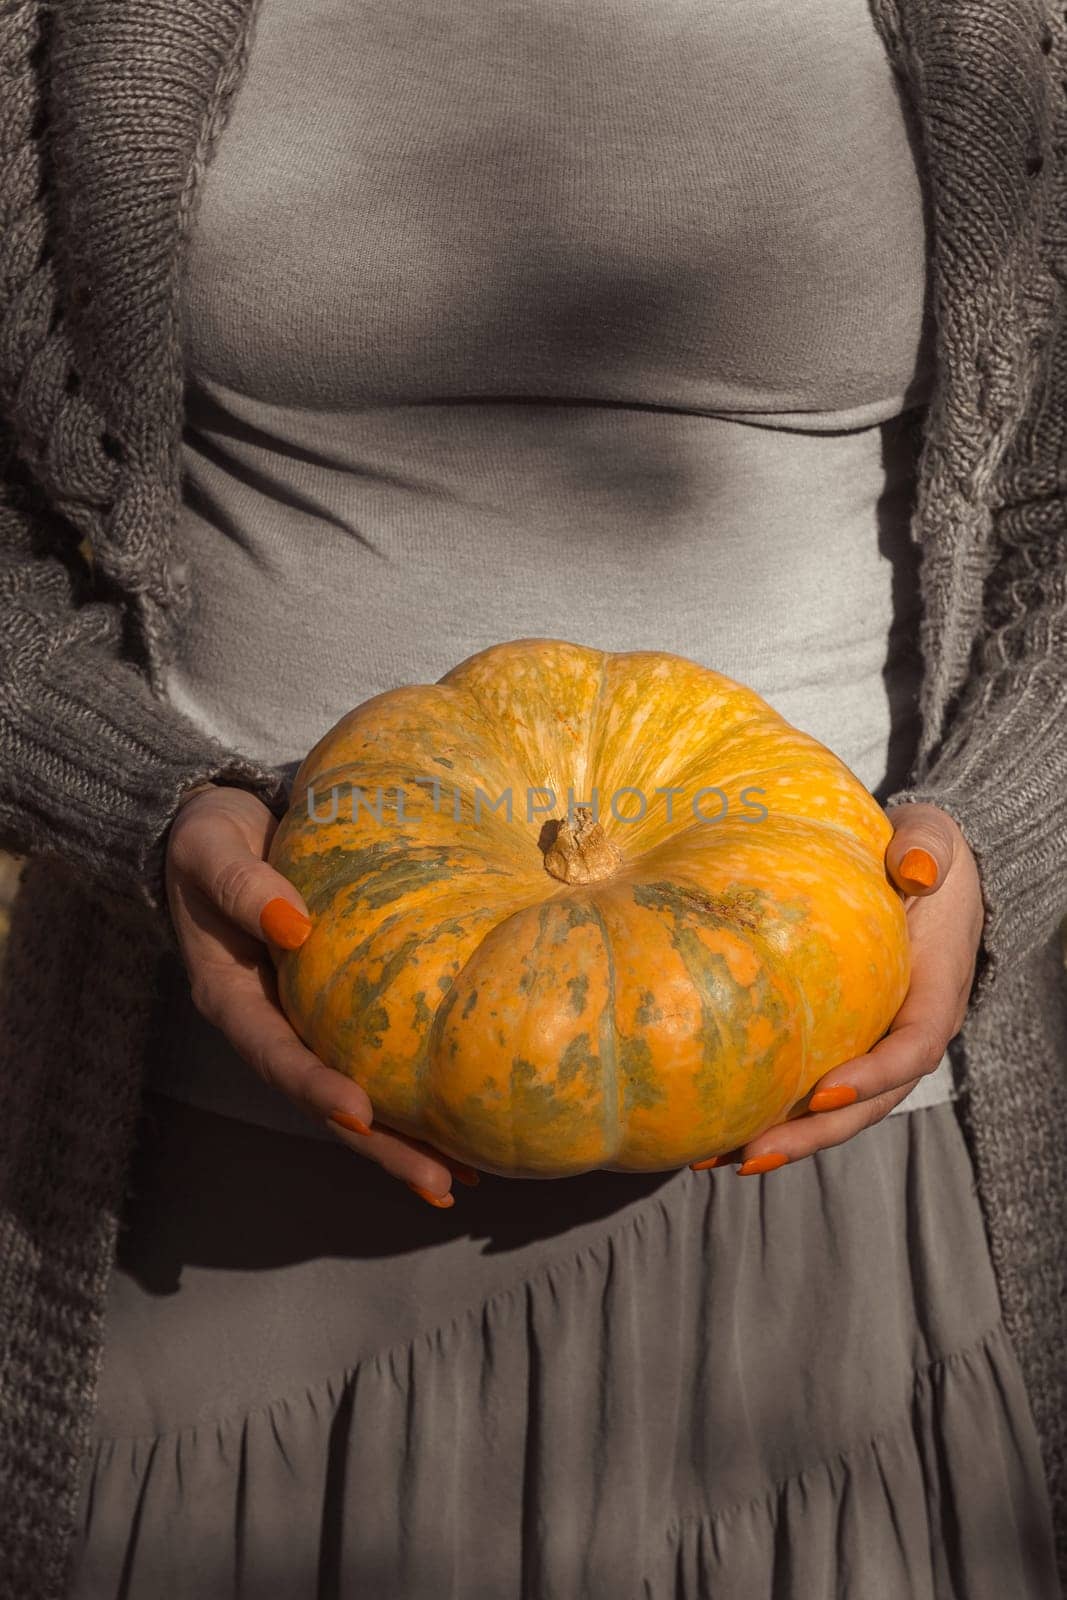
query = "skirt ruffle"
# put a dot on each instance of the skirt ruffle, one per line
(792, 1388)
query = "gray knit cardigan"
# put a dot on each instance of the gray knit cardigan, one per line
(109, 112)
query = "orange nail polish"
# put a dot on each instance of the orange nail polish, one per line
(767, 1163)
(347, 1120)
(283, 924)
(466, 1175)
(442, 1200)
(833, 1097)
(712, 1161)
(919, 867)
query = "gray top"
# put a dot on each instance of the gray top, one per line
(559, 355)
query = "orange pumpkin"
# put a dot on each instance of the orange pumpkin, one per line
(619, 978)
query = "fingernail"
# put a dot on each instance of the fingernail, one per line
(767, 1163)
(442, 1200)
(347, 1120)
(833, 1097)
(918, 867)
(283, 924)
(712, 1161)
(466, 1175)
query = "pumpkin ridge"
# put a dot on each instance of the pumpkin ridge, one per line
(532, 780)
(427, 1056)
(424, 936)
(727, 828)
(609, 1036)
(729, 911)
(290, 962)
(495, 839)
(340, 731)
(672, 712)
(379, 871)
(536, 779)
(314, 1014)
(712, 1037)
(730, 908)
(724, 781)
(527, 1098)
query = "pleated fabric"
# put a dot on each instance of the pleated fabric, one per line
(794, 1387)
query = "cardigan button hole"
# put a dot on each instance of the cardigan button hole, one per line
(111, 446)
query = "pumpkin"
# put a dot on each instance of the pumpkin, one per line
(575, 909)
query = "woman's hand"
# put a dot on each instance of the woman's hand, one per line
(931, 862)
(218, 886)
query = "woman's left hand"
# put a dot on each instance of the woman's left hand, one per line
(945, 917)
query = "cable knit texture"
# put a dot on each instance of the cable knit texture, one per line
(109, 112)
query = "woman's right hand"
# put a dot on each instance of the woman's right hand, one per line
(218, 884)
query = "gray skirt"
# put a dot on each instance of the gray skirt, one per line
(789, 1387)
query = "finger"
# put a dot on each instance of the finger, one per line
(879, 1078)
(793, 1140)
(419, 1165)
(215, 858)
(867, 1086)
(397, 1151)
(920, 854)
(724, 1160)
(918, 1036)
(243, 1006)
(911, 1050)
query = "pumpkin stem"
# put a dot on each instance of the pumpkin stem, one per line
(584, 853)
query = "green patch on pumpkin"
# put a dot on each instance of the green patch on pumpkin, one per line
(648, 1009)
(726, 1006)
(578, 991)
(642, 1089)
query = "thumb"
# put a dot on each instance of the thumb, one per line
(922, 849)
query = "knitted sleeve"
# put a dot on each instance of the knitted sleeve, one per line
(92, 761)
(1001, 771)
